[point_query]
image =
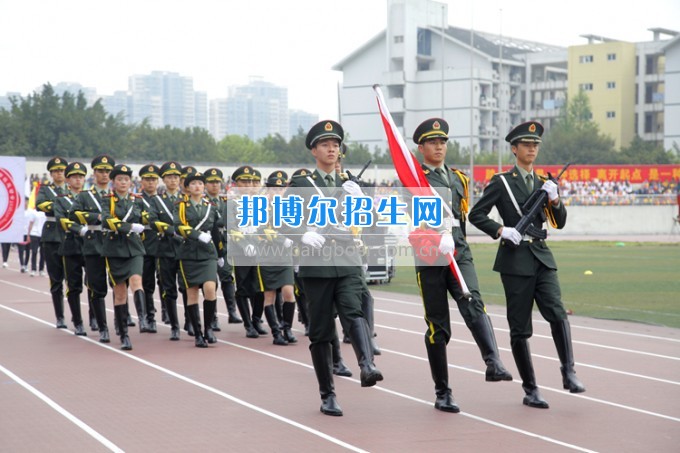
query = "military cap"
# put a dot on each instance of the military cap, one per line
(322, 130)
(529, 132)
(149, 171)
(171, 168)
(213, 175)
(431, 128)
(257, 175)
(245, 172)
(276, 179)
(193, 176)
(104, 162)
(301, 172)
(56, 163)
(188, 170)
(120, 169)
(75, 168)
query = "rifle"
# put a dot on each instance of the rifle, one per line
(357, 178)
(532, 208)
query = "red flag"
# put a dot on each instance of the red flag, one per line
(410, 172)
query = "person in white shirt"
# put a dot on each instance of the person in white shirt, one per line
(35, 220)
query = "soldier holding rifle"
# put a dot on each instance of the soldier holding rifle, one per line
(526, 264)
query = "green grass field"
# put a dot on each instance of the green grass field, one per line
(634, 282)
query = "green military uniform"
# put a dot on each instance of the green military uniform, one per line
(50, 239)
(528, 270)
(331, 274)
(71, 249)
(87, 211)
(150, 241)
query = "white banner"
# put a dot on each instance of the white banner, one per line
(12, 179)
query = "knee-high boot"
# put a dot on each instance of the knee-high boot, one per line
(121, 313)
(58, 304)
(99, 306)
(195, 319)
(522, 355)
(272, 320)
(561, 333)
(439, 367)
(150, 313)
(140, 306)
(94, 325)
(244, 309)
(288, 315)
(482, 332)
(171, 307)
(209, 312)
(323, 367)
(339, 367)
(76, 316)
(360, 336)
(367, 308)
(188, 326)
(258, 310)
(230, 300)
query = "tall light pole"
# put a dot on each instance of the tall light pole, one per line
(443, 66)
(472, 109)
(500, 128)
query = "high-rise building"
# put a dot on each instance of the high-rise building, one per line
(164, 98)
(301, 120)
(257, 110)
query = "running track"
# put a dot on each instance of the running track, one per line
(59, 392)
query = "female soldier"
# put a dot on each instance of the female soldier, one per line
(123, 248)
(196, 220)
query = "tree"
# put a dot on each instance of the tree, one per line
(642, 152)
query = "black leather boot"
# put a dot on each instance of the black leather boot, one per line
(130, 321)
(164, 309)
(94, 325)
(367, 308)
(323, 367)
(99, 306)
(522, 355)
(303, 316)
(230, 301)
(439, 366)
(244, 309)
(339, 367)
(272, 320)
(288, 315)
(561, 333)
(121, 321)
(140, 306)
(173, 320)
(76, 316)
(58, 304)
(482, 332)
(195, 319)
(150, 314)
(209, 313)
(258, 310)
(360, 336)
(188, 326)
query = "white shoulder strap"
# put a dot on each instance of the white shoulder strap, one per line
(512, 197)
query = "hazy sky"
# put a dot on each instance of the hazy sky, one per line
(292, 43)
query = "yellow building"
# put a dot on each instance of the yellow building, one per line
(606, 72)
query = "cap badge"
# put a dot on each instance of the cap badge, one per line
(123, 168)
(150, 168)
(328, 127)
(532, 128)
(279, 175)
(57, 161)
(104, 160)
(76, 166)
(213, 172)
(246, 170)
(172, 165)
(436, 125)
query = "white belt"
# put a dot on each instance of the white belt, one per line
(50, 219)
(146, 227)
(530, 239)
(451, 222)
(94, 228)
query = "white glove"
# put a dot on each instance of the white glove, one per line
(220, 262)
(511, 234)
(352, 188)
(250, 250)
(365, 267)
(287, 243)
(204, 237)
(313, 239)
(137, 228)
(551, 189)
(446, 244)
(82, 231)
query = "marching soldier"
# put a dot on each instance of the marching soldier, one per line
(526, 264)
(87, 211)
(71, 249)
(435, 279)
(199, 254)
(149, 174)
(188, 326)
(161, 218)
(50, 234)
(213, 186)
(123, 249)
(332, 280)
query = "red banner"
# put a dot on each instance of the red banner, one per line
(634, 174)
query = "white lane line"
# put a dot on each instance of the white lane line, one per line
(543, 321)
(585, 343)
(72, 418)
(202, 386)
(553, 359)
